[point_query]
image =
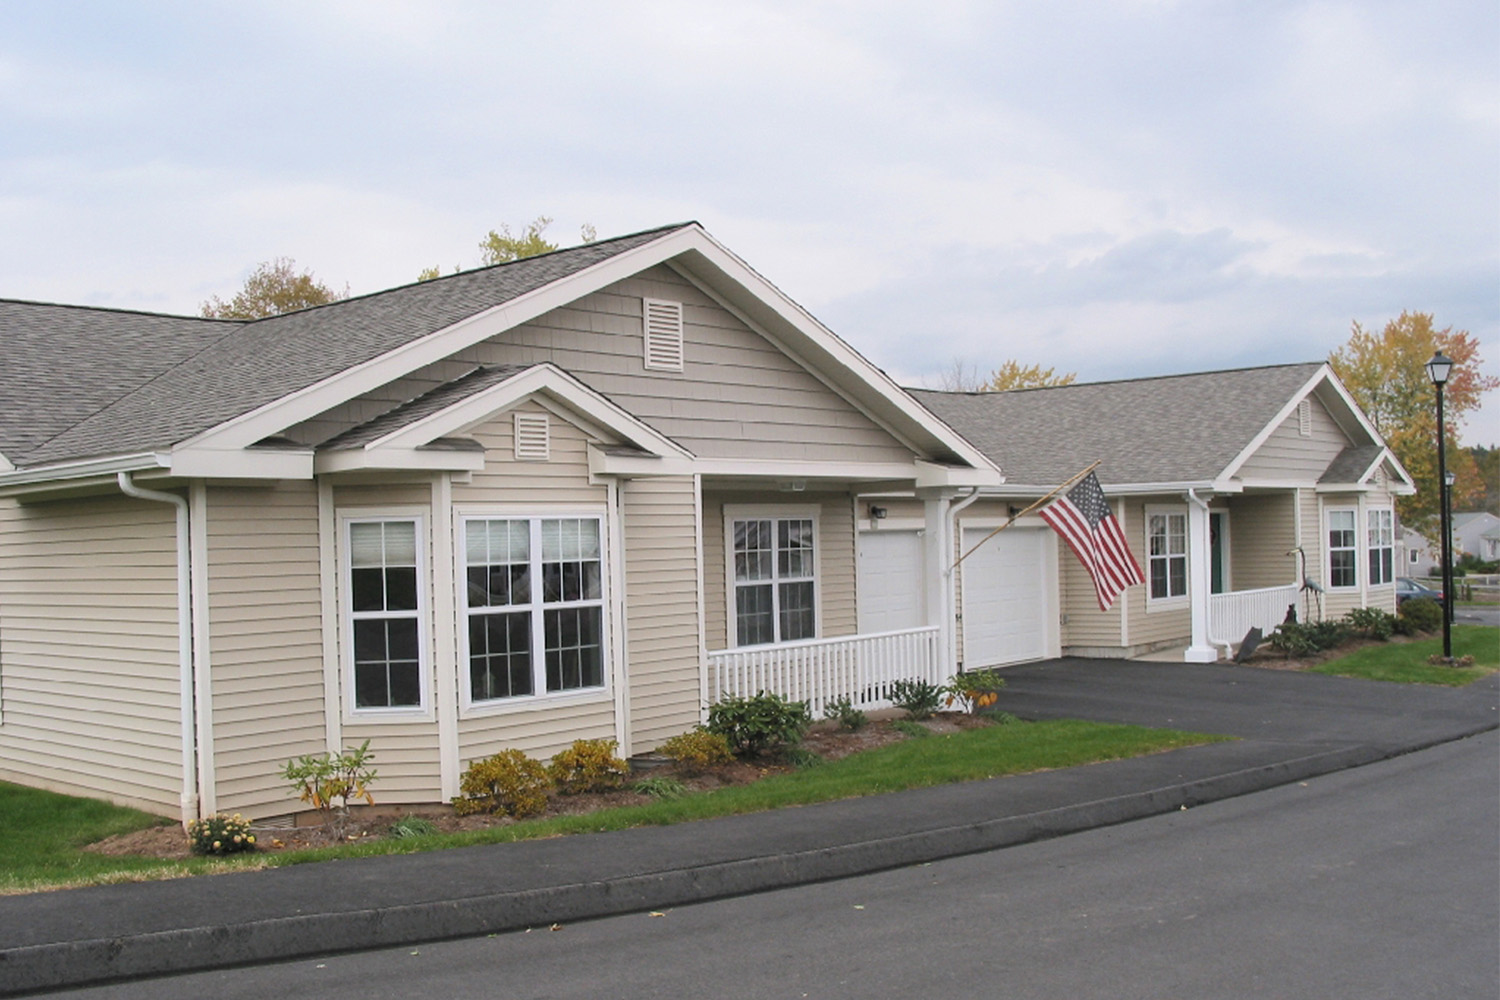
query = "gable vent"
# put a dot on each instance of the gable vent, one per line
(663, 327)
(533, 438)
(1304, 418)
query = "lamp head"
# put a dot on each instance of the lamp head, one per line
(1439, 367)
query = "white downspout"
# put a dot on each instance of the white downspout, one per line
(184, 641)
(950, 582)
(1202, 650)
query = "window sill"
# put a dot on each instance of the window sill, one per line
(387, 716)
(536, 703)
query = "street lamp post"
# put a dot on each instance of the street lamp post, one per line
(1437, 370)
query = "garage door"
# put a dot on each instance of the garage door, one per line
(1008, 588)
(890, 580)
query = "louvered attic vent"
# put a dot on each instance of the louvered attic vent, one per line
(663, 327)
(1304, 418)
(533, 440)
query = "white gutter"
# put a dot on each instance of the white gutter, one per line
(950, 582)
(184, 641)
(113, 465)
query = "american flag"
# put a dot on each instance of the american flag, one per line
(1082, 516)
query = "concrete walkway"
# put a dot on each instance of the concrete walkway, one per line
(1292, 726)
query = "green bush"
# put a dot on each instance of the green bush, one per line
(1306, 638)
(588, 766)
(220, 834)
(412, 826)
(918, 698)
(756, 725)
(659, 786)
(509, 782)
(802, 758)
(848, 716)
(1420, 614)
(697, 750)
(329, 782)
(1372, 623)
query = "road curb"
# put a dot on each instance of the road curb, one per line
(101, 960)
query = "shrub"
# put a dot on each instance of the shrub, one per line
(802, 758)
(918, 698)
(659, 786)
(509, 782)
(1306, 638)
(848, 716)
(697, 750)
(330, 781)
(220, 834)
(412, 826)
(1420, 614)
(974, 689)
(1371, 622)
(588, 766)
(755, 725)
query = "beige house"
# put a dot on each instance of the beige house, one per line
(1242, 493)
(554, 499)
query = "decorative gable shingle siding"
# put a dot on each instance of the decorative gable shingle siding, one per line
(88, 644)
(662, 610)
(1287, 455)
(265, 641)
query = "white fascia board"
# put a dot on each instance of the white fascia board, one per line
(602, 463)
(1012, 491)
(545, 379)
(829, 354)
(1275, 422)
(812, 471)
(404, 459)
(1337, 384)
(1276, 484)
(240, 463)
(5, 465)
(248, 428)
(66, 471)
(931, 474)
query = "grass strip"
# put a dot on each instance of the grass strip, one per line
(989, 752)
(1406, 662)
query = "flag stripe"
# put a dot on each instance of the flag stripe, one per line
(1083, 518)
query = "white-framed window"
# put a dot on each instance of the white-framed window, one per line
(533, 607)
(1166, 548)
(1381, 544)
(1343, 540)
(1412, 556)
(384, 600)
(773, 575)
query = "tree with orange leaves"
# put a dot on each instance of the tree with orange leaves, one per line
(1386, 375)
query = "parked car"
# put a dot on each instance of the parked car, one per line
(1407, 588)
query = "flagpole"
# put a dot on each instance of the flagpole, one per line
(1017, 516)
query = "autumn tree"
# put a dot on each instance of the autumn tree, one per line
(502, 246)
(961, 376)
(1386, 375)
(273, 288)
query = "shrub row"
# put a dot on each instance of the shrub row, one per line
(1306, 638)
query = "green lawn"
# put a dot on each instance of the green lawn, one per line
(1406, 663)
(41, 833)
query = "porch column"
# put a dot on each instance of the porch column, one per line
(937, 553)
(1201, 651)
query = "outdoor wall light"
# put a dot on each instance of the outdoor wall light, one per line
(878, 513)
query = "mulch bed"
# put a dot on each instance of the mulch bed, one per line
(824, 739)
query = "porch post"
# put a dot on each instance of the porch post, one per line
(937, 553)
(1201, 651)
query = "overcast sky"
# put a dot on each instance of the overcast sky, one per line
(1113, 188)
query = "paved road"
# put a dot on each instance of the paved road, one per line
(1478, 614)
(1379, 882)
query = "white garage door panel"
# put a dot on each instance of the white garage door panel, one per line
(890, 581)
(1008, 605)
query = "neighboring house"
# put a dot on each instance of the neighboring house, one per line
(1232, 487)
(1476, 534)
(1418, 559)
(513, 507)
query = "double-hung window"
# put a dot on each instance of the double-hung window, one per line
(534, 604)
(385, 614)
(1166, 536)
(1381, 545)
(775, 593)
(1343, 563)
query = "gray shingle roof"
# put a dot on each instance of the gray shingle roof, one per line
(1173, 428)
(189, 389)
(1351, 464)
(424, 405)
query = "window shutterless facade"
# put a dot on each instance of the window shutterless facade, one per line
(1166, 546)
(1343, 561)
(774, 570)
(1381, 545)
(533, 607)
(385, 613)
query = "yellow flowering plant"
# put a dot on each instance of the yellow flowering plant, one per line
(220, 834)
(974, 689)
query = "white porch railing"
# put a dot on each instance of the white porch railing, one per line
(818, 671)
(1233, 614)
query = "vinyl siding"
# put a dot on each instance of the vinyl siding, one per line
(738, 396)
(563, 478)
(89, 650)
(1161, 626)
(1262, 533)
(265, 641)
(661, 613)
(835, 583)
(1288, 456)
